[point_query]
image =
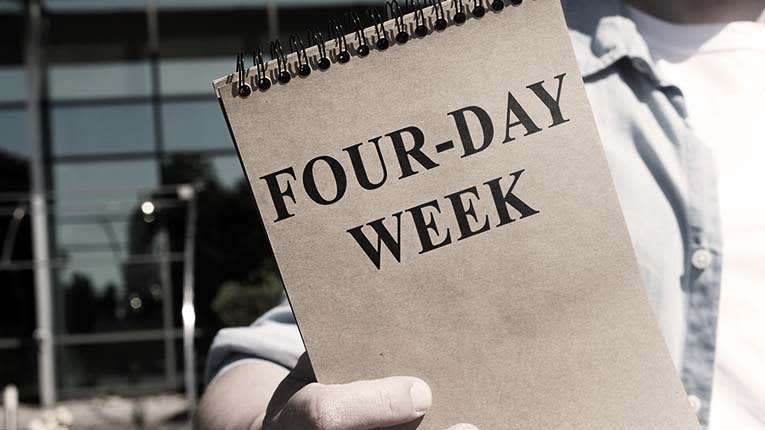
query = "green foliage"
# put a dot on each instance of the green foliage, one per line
(239, 305)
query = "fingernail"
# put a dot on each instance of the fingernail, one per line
(422, 398)
(463, 427)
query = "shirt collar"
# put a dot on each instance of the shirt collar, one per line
(602, 34)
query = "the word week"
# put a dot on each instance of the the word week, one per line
(412, 157)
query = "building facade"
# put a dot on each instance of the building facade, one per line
(106, 108)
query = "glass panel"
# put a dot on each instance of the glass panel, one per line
(95, 6)
(99, 292)
(99, 232)
(12, 84)
(17, 306)
(116, 179)
(228, 171)
(10, 6)
(16, 280)
(17, 300)
(93, 246)
(194, 125)
(138, 5)
(129, 365)
(102, 129)
(89, 296)
(192, 76)
(88, 232)
(13, 142)
(84, 81)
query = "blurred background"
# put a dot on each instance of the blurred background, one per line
(128, 236)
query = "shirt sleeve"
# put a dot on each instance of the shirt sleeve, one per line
(273, 337)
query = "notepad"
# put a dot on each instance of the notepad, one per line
(439, 205)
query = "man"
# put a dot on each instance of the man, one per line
(673, 85)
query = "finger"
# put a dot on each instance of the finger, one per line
(463, 426)
(360, 405)
(300, 376)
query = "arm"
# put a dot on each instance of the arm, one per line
(252, 392)
(244, 367)
(238, 398)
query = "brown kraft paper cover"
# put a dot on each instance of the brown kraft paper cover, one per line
(443, 209)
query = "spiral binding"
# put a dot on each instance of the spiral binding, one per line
(361, 37)
(343, 52)
(438, 11)
(478, 9)
(262, 80)
(337, 32)
(298, 48)
(398, 20)
(379, 23)
(243, 88)
(282, 73)
(317, 38)
(420, 24)
(459, 12)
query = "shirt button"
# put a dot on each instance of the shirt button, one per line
(701, 258)
(695, 403)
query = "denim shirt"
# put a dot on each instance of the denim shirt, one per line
(666, 181)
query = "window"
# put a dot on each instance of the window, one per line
(195, 125)
(99, 231)
(227, 171)
(192, 76)
(85, 372)
(12, 84)
(112, 283)
(13, 146)
(13, 143)
(102, 129)
(72, 178)
(90, 81)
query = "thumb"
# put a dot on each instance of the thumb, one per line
(358, 405)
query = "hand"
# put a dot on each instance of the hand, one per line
(301, 403)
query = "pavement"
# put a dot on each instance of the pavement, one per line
(156, 412)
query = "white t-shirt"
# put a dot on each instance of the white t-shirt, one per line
(720, 68)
